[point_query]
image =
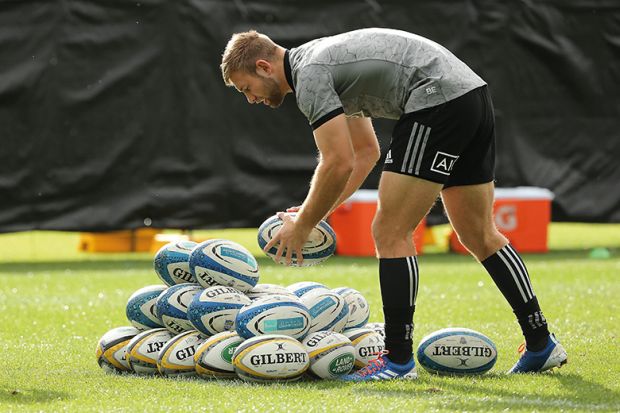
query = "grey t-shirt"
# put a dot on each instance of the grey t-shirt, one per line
(379, 73)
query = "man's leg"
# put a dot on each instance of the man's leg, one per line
(403, 202)
(470, 210)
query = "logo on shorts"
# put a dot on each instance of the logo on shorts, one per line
(443, 163)
(388, 158)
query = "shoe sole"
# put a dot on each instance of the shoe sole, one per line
(557, 358)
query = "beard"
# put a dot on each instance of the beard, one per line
(274, 96)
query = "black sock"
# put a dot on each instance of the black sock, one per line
(511, 277)
(399, 288)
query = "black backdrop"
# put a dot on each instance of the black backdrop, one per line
(114, 111)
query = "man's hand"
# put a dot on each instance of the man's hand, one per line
(293, 209)
(291, 238)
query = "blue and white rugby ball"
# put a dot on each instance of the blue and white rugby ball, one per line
(457, 351)
(359, 309)
(171, 306)
(320, 245)
(328, 310)
(140, 309)
(172, 263)
(223, 262)
(302, 287)
(262, 290)
(214, 310)
(274, 314)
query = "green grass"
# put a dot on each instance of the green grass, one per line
(56, 302)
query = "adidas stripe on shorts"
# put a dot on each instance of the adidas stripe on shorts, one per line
(452, 143)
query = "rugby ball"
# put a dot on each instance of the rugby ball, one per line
(320, 245)
(273, 314)
(112, 349)
(377, 327)
(176, 358)
(359, 310)
(303, 287)
(223, 262)
(171, 306)
(214, 310)
(140, 309)
(367, 345)
(143, 349)
(457, 351)
(261, 290)
(328, 310)
(172, 263)
(214, 357)
(331, 354)
(271, 357)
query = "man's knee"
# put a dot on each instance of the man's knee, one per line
(482, 242)
(391, 240)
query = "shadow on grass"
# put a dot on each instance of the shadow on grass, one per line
(30, 396)
(145, 262)
(475, 394)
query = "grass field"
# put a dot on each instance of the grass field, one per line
(55, 303)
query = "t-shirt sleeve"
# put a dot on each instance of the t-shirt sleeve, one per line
(316, 96)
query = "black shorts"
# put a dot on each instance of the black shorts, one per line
(451, 144)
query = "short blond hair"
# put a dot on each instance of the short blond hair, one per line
(242, 52)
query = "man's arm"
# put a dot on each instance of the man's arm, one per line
(336, 160)
(334, 171)
(366, 152)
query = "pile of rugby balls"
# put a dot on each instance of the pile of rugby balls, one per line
(213, 319)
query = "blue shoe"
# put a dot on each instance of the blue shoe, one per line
(382, 368)
(553, 355)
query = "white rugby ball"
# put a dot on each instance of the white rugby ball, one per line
(328, 310)
(320, 245)
(271, 357)
(214, 310)
(273, 314)
(377, 327)
(457, 351)
(331, 354)
(367, 344)
(223, 262)
(359, 310)
(172, 263)
(171, 306)
(176, 358)
(214, 357)
(302, 287)
(143, 349)
(112, 349)
(140, 309)
(261, 290)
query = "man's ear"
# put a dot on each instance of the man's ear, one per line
(263, 68)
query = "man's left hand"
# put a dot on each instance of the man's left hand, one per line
(291, 238)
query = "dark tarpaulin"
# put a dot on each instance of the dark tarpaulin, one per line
(114, 111)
